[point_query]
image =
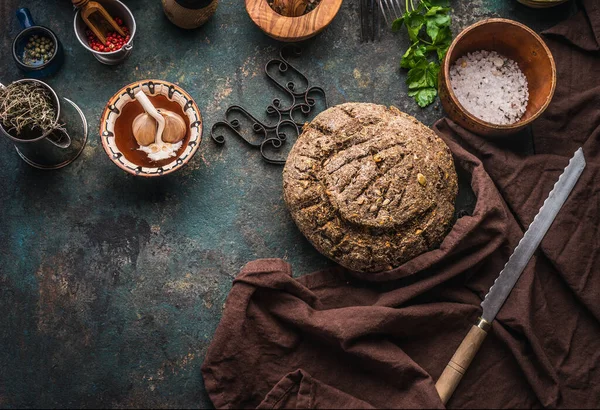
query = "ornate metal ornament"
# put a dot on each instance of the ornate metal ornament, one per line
(288, 118)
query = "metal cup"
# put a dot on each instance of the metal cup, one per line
(114, 8)
(53, 149)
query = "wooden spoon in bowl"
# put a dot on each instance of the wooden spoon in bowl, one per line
(92, 12)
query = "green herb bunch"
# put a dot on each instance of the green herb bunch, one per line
(428, 27)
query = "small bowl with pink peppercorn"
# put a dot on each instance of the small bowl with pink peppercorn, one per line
(117, 47)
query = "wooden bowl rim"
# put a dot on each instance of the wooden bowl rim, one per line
(115, 96)
(518, 124)
(267, 28)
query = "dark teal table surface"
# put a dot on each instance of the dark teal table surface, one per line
(112, 286)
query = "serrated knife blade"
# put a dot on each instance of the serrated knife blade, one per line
(522, 254)
(509, 276)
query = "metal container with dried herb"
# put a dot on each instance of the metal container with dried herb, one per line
(30, 116)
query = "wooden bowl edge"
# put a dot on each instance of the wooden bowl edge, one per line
(267, 29)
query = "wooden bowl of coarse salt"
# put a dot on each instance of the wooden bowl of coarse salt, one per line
(498, 76)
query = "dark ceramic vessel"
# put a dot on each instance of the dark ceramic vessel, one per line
(18, 47)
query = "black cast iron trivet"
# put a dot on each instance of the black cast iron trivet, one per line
(273, 136)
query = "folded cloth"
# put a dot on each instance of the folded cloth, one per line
(298, 390)
(341, 339)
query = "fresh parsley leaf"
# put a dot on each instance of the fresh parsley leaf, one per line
(397, 24)
(432, 30)
(428, 27)
(437, 10)
(441, 20)
(442, 50)
(436, 24)
(423, 76)
(424, 96)
(444, 37)
(413, 55)
(414, 23)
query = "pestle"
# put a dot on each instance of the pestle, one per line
(159, 149)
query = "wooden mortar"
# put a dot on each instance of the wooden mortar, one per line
(292, 29)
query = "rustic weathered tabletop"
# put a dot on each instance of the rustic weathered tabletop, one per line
(111, 286)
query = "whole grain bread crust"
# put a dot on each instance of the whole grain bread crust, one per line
(370, 186)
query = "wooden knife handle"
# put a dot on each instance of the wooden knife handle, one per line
(458, 365)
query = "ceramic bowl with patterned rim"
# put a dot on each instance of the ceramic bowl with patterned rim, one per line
(151, 87)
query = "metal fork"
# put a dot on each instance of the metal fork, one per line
(370, 20)
(391, 11)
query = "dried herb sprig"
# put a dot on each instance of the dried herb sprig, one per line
(26, 107)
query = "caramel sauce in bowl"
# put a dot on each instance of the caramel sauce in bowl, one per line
(117, 135)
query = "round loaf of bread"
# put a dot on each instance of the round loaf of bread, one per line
(370, 186)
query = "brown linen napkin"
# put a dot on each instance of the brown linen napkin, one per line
(298, 390)
(339, 339)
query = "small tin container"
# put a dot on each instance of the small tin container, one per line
(35, 69)
(116, 9)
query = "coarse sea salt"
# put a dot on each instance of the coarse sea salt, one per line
(490, 86)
